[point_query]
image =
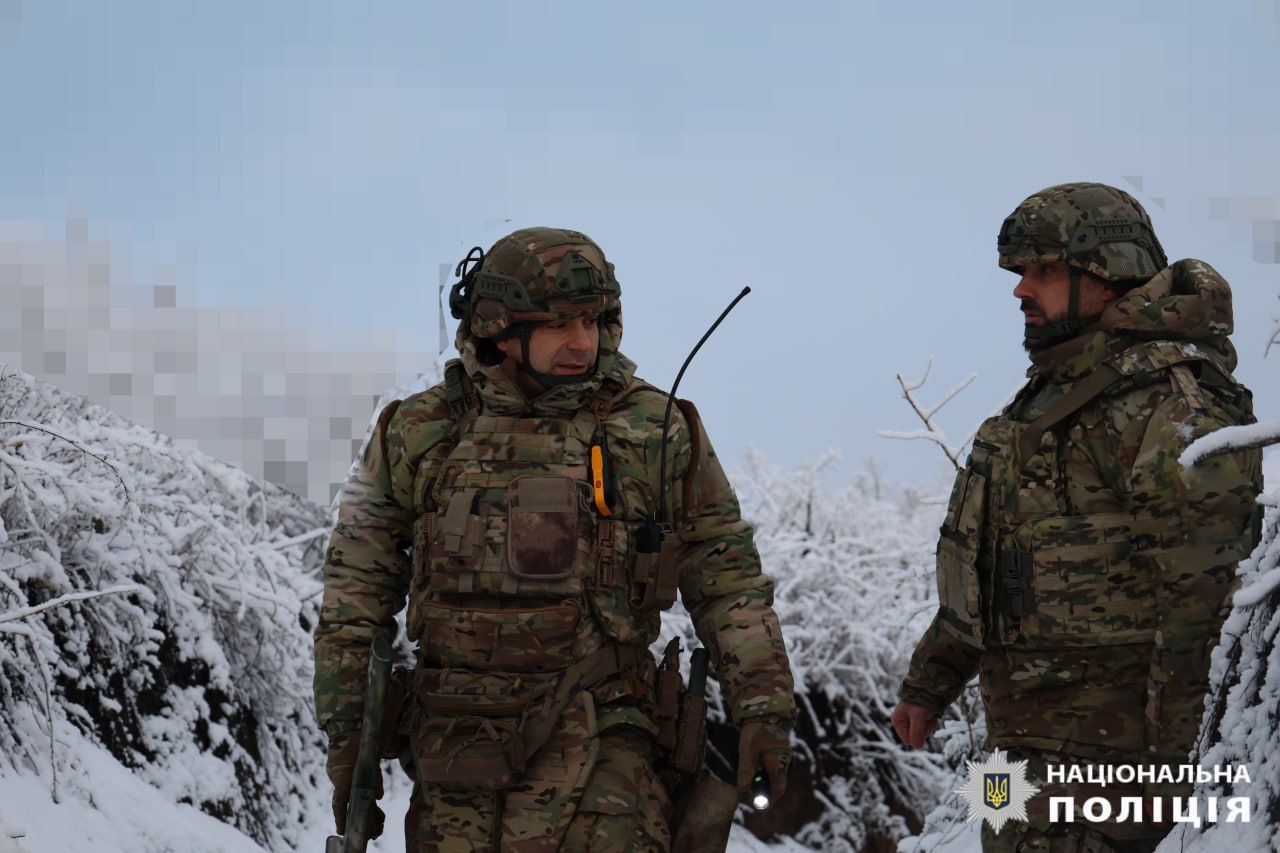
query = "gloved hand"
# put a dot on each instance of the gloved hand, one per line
(764, 743)
(344, 749)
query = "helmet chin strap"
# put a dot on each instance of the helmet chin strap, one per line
(1037, 338)
(546, 381)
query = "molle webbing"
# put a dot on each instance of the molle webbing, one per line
(608, 572)
(476, 470)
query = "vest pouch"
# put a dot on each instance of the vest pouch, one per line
(658, 576)
(960, 540)
(609, 594)
(542, 527)
(458, 537)
(510, 639)
(470, 752)
(1091, 582)
(469, 731)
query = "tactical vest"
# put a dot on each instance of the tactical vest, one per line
(515, 568)
(1014, 563)
(524, 594)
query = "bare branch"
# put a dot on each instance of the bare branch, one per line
(918, 383)
(931, 431)
(952, 393)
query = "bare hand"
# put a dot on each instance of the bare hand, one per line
(913, 723)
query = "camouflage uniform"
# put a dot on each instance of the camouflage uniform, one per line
(1083, 573)
(532, 610)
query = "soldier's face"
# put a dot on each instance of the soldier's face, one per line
(1044, 292)
(562, 348)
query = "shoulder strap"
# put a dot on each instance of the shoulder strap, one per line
(695, 447)
(461, 395)
(609, 392)
(1085, 390)
(464, 407)
(1137, 365)
(588, 421)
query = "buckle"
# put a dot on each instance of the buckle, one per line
(1015, 583)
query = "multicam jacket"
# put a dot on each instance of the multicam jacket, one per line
(1083, 573)
(432, 509)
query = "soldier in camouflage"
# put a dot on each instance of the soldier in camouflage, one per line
(1083, 572)
(520, 509)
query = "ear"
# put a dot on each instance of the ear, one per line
(509, 347)
(1110, 294)
(1108, 291)
(488, 353)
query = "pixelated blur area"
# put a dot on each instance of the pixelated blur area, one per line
(244, 385)
(1256, 219)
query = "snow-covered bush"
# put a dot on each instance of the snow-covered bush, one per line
(853, 577)
(159, 603)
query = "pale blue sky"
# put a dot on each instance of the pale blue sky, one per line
(852, 162)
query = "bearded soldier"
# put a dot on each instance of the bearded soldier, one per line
(521, 508)
(1083, 572)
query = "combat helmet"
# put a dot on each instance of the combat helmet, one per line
(532, 276)
(1091, 228)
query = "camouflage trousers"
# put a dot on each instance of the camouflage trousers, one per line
(621, 805)
(1038, 835)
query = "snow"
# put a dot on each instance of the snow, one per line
(155, 655)
(1233, 438)
(155, 604)
(102, 806)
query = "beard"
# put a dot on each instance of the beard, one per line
(1037, 338)
(1034, 345)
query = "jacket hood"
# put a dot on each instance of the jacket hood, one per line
(1186, 301)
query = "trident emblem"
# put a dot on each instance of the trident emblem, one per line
(995, 789)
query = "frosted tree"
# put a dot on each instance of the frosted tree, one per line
(961, 734)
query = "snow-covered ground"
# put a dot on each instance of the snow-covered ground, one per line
(105, 808)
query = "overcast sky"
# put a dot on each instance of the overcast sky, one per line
(851, 162)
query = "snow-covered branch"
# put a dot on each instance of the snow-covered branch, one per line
(1231, 438)
(931, 431)
(69, 597)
